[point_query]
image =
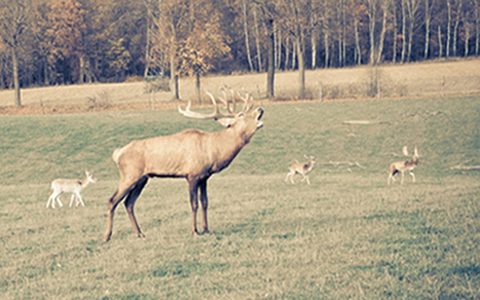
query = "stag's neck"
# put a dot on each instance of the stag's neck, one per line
(228, 145)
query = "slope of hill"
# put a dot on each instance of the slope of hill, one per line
(439, 78)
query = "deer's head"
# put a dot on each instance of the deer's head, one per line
(245, 123)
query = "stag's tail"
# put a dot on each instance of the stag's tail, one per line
(116, 155)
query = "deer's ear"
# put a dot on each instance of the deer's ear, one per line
(226, 122)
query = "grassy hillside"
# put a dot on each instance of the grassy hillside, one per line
(426, 79)
(347, 235)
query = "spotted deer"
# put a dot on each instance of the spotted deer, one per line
(73, 186)
(403, 166)
(301, 168)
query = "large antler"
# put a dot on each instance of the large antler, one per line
(217, 114)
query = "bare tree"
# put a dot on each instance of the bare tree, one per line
(449, 22)
(459, 7)
(412, 8)
(245, 27)
(428, 17)
(13, 22)
(372, 11)
(385, 7)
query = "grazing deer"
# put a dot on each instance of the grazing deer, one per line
(403, 166)
(190, 154)
(301, 168)
(70, 186)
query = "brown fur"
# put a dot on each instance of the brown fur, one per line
(191, 154)
(403, 166)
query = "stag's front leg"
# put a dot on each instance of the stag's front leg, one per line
(193, 188)
(204, 200)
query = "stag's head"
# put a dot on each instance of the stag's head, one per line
(245, 123)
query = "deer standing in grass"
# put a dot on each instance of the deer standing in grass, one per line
(301, 168)
(69, 186)
(403, 166)
(190, 154)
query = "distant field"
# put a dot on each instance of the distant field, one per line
(347, 235)
(431, 79)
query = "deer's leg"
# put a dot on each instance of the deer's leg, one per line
(403, 175)
(51, 199)
(204, 201)
(288, 175)
(193, 188)
(130, 202)
(58, 199)
(413, 175)
(71, 200)
(124, 187)
(79, 200)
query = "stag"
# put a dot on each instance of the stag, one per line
(403, 166)
(190, 154)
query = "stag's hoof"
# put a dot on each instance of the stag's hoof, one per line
(141, 235)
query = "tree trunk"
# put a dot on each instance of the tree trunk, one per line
(404, 30)
(455, 30)
(247, 44)
(395, 32)
(440, 47)
(173, 67)
(358, 51)
(16, 80)
(271, 59)
(259, 55)
(411, 22)
(382, 33)
(197, 87)
(294, 55)
(301, 67)
(449, 20)
(427, 28)
(327, 49)
(279, 51)
(287, 52)
(371, 29)
(477, 29)
(314, 43)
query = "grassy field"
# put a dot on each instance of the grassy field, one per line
(347, 235)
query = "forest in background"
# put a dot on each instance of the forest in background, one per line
(51, 42)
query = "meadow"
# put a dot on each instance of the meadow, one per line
(347, 235)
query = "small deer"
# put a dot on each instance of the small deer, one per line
(69, 186)
(301, 168)
(403, 166)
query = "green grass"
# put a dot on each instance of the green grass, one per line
(347, 235)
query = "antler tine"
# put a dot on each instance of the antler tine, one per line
(246, 105)
(404, 150)
(227, 102)
(416, 152)
(188, 113)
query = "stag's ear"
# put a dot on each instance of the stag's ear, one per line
(226, 122)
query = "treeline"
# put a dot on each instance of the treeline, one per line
(49, 42)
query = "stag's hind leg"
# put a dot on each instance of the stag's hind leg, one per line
(204, 201)
(130, 202)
